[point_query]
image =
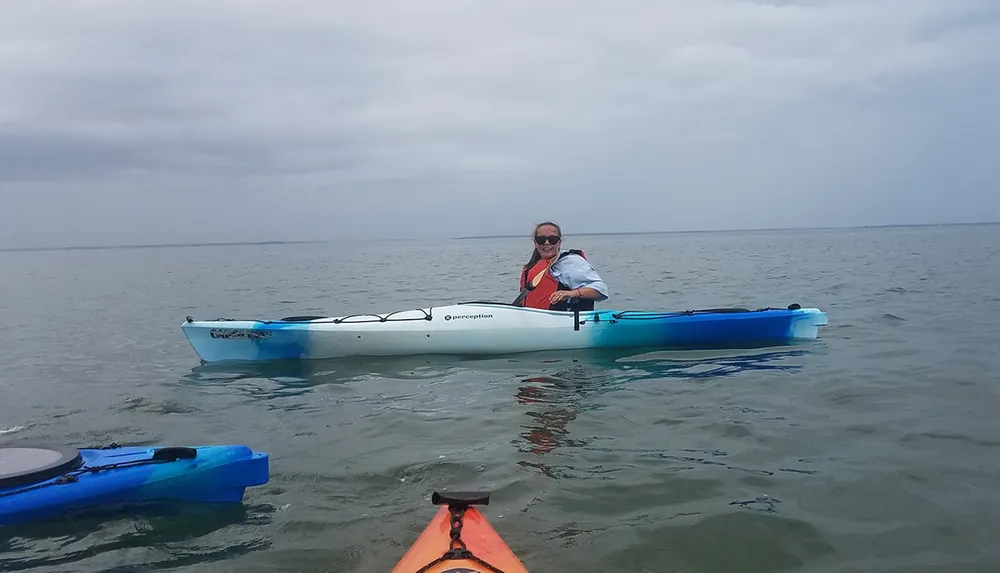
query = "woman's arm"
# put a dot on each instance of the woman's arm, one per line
(586, 292)
(580, 275)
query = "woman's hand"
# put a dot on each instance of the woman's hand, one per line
(561, 295)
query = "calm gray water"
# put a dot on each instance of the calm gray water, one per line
(873, 449)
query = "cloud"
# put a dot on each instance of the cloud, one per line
(669, 107)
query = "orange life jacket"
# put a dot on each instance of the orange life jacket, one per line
(538, 297)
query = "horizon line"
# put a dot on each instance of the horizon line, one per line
(473, 237)
(160, 245)
(742, 230)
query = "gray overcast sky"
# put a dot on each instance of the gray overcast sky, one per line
(145, 122)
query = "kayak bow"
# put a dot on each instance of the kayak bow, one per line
(459, 539)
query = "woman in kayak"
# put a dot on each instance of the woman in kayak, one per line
(555, 281)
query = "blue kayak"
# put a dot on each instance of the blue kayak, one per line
(43, 481)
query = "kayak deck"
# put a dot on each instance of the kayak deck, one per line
(459, 539)
(487, 328)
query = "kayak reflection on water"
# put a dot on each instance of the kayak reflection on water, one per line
(558, 281)
(548, 427)
(553, 399)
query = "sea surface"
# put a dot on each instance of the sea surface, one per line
(875, 448)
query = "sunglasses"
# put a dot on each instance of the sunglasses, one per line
(551, 239)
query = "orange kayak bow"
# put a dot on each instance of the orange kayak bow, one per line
(459, 539)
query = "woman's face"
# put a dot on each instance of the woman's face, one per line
(547, 250)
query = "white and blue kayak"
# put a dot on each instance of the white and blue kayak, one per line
(493, 328)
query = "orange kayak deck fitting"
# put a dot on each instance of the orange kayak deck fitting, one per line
(459, 539)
